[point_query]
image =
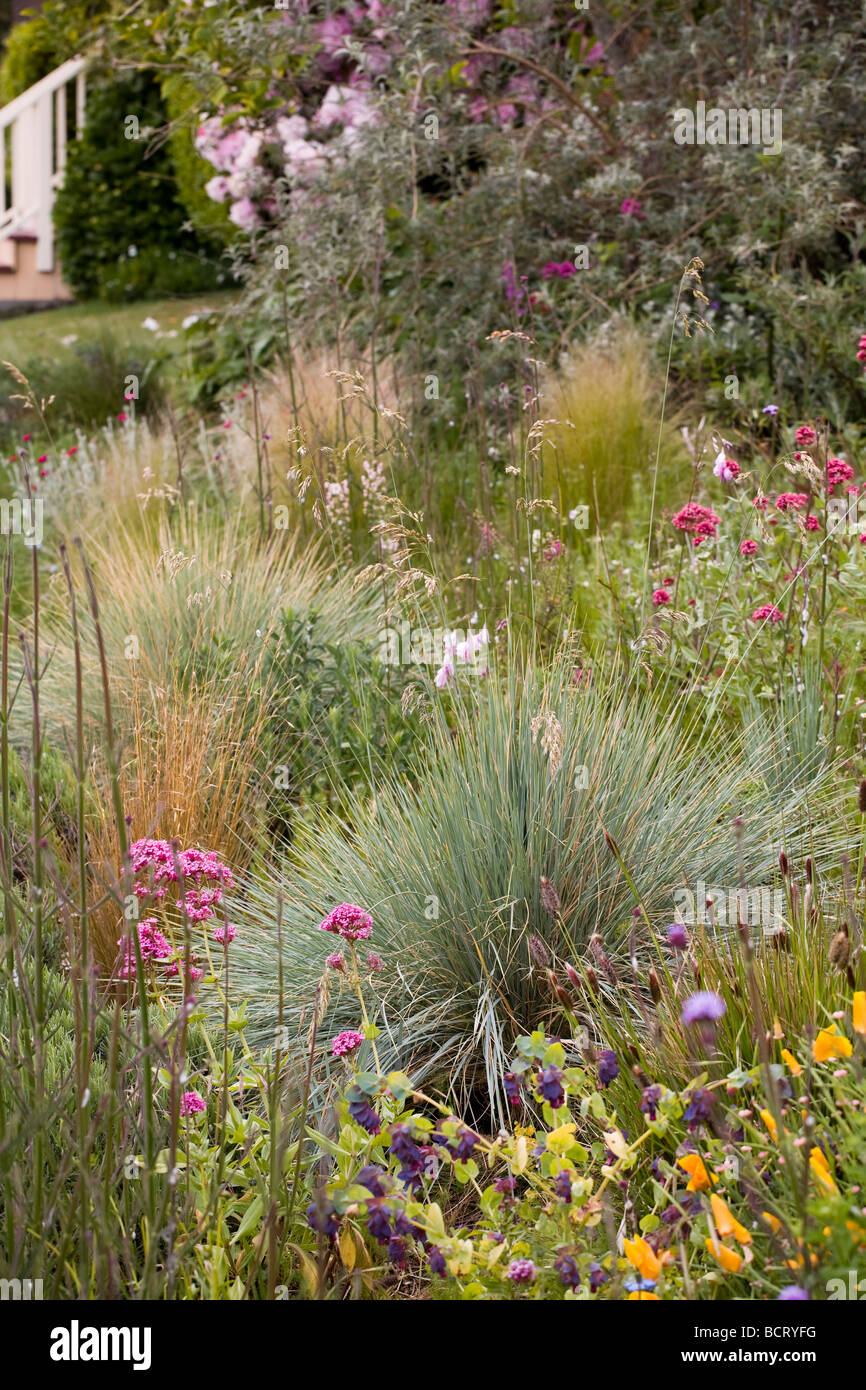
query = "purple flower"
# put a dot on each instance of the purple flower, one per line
(379, 1220)
(632, 207)
(676, 936)
(650, 1099)
(793, 1294)
(699, 1110)
(563, 1186)
(323, 1218)
(362, 1112)
(511, 1082)
(608, 1067)
(506, 1185)
(550, 1086)
(770, 410)
(703, 1007)
(597, 1277)
(566, 1267)
(437, 1261)
(521, 1272)
(371, 1178)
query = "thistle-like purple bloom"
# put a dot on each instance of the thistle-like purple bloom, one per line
(677, 937)
(703, 1007)
(793, 1294)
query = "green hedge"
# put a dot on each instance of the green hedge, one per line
(122, 229)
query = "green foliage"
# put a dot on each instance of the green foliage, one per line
(209, 218)
(118, 218)
(520, 782)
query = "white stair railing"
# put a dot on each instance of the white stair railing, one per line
(37, 121)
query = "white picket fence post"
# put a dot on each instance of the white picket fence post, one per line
(37, 123)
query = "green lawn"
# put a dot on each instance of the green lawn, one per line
(43, 334)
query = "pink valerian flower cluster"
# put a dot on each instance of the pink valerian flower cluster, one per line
(699, 522)
(560, 270)
(660, 598)
(152, 945)
(838, 471)
(465, 651)
(805, 437)
(812, 523)
(748, 547)
(791, 501)
(191, 1103)
(349, 921)
(767, 613)
(346, 1042)
(204, 876)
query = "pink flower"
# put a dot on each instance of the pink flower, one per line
(191, 1103)
(791, 501)
(349, 921)
(632, 207)
(335, 961)
(553, 550)
(374, 962)
(725, 468)
(217, 188)
(812, 523)
(748, 547)
(224, 934)
(345, 1043)
(698, 520)
(838, 471)
(660, 597)
(805, 437)
(73, 450)
(767, 613)
(244, 215)
(561, 269)
(861, 349)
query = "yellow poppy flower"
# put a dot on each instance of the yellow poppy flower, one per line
(830, 1044)
(820, 1167)
(772, 1221)
(860, 1012)
(770, 1123)
(699, 1177)
(640, 1296)
(643, 1257)
(791, 1062)
(726, 1224)
(728, 1259)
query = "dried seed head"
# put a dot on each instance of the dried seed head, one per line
(840, 950)
(539, 952)
(655, 987)
(612, 844)
(550, 898)
(592, 979)
(563, 996)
